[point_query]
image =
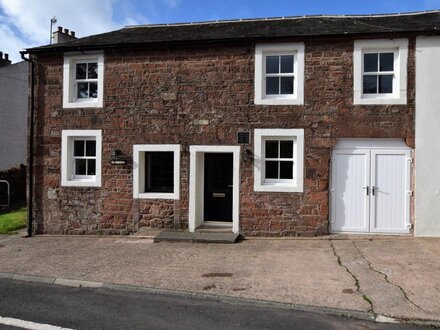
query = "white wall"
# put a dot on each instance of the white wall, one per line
(427, 197)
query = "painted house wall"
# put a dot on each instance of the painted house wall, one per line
(427, 200)
(13, 114)
(202, 95)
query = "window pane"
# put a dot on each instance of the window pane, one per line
(271, 149)
(387, 62)
(272, 64)
(91, 148)
(93, 89)
(272, 86)
(92, 70)
(81, 69)
(287, 85)
(78, 148)
(370, 62)
(80, 166)
(286, 63)
(286, 149)
(271, 170)
(91, 167)
(83, 90)
(370, 85)
(386, 84)
(159, 172)
(286, 170)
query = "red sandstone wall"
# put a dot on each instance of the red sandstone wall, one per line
(157, 96)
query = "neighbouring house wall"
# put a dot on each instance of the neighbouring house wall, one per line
(166, 96)
(427, 200)
(13, 114)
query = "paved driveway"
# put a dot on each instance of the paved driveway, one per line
(396, 277)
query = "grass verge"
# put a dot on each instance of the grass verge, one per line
(12, 220)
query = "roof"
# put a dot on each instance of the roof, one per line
(255, 29)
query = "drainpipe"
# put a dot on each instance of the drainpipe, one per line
(31, 150)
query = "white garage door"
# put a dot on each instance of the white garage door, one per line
(370, 186)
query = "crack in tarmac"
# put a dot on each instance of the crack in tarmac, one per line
(356, 281)
(405, 295)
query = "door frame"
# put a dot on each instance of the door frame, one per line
(196, 184)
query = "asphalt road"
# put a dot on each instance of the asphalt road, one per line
(85, 308)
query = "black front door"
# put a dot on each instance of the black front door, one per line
(218, 187)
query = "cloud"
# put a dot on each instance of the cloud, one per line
(26, 23)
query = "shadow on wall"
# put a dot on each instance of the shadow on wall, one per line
(13, 193)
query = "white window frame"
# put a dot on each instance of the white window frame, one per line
(139, 170)
(68, 179)
(263, 50)
(69, 80)
(400, 49)
(283, 185)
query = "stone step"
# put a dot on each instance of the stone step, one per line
(197, 237)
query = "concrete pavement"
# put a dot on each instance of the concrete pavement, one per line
(394, 277)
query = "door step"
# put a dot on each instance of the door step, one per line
(197, 237)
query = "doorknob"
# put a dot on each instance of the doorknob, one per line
(368, 189)
(230, 185)
(373, 189)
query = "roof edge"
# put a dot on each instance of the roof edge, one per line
(240, 20)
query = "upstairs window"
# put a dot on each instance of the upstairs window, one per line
(83, 81)
(279, 73)
(380, 71)
(86, 81)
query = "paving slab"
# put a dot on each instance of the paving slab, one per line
(174, 236)
(216, 237)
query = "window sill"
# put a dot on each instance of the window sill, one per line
(279, 101)
(88, 104)
(156, 196)
(379, 100)
(80, 183)
(277, 188)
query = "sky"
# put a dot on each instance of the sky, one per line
(26, 23)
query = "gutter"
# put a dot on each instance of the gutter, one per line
(31, 148)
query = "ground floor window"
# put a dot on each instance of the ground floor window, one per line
(156, 171)
(279, 157)
(81, 158)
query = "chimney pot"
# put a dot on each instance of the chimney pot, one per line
(66, 31)
(7, 57)
(1, 55)
(60, 29)
(72, 33)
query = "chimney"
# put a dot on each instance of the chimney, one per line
(4, 60)
(60, 36)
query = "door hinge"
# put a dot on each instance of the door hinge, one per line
(411, 160)
(410, 226)
(410, 192)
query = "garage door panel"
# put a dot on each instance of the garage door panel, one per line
(350, 205)
(390, 202)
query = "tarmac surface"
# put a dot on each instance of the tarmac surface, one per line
(396, 277)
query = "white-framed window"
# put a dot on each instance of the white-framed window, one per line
(380, 71)
(156, 171)
(279, 73)
(81, 158)
(83, 80)
(279, 160)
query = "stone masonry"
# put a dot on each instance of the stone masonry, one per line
(202, 94)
